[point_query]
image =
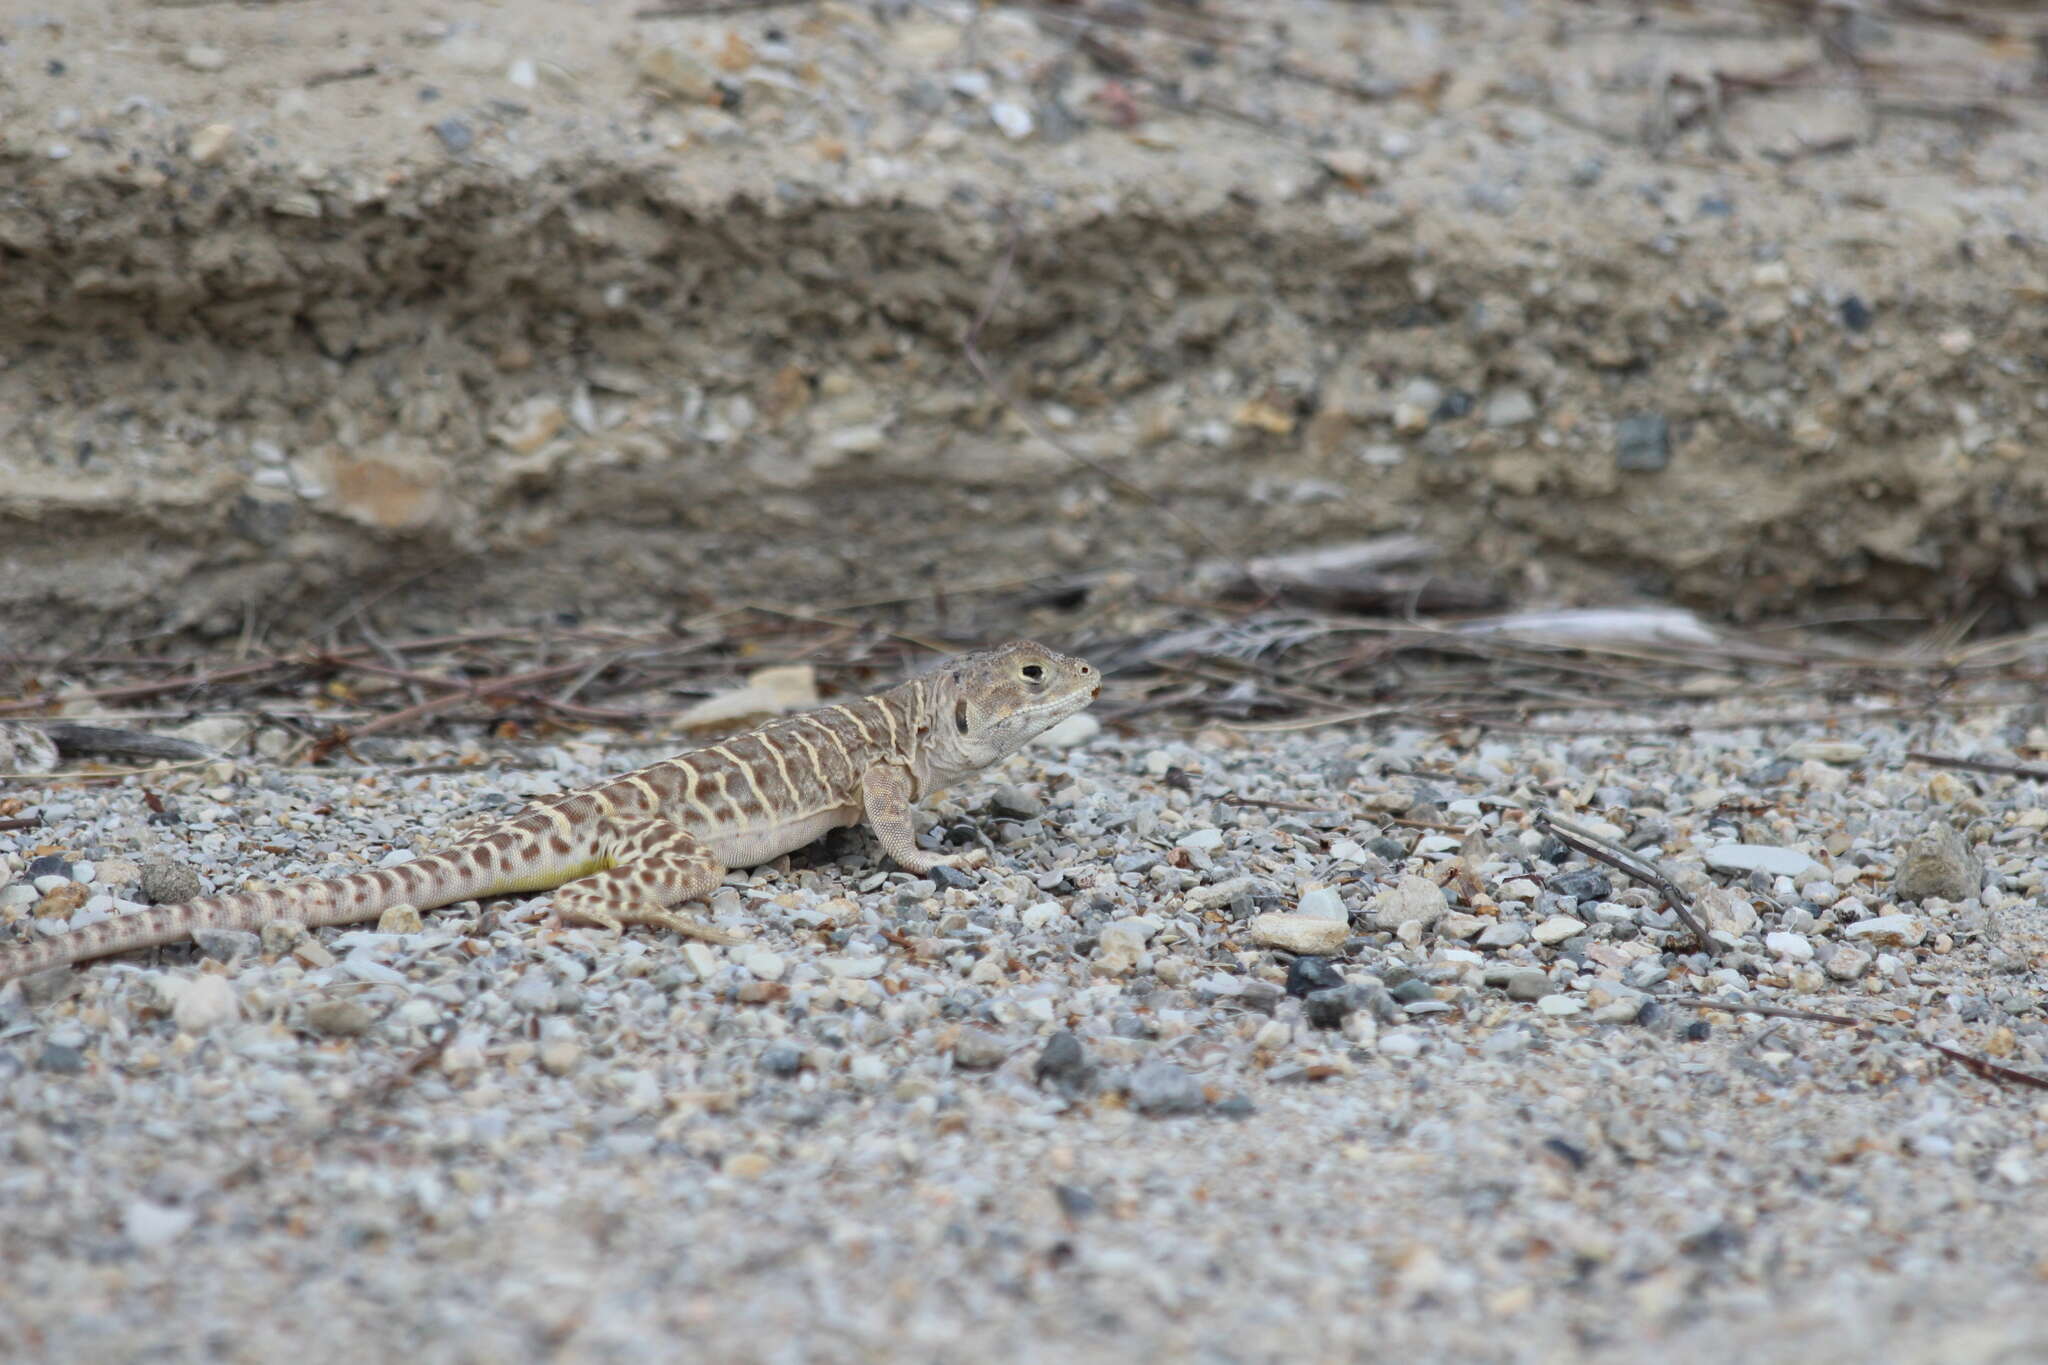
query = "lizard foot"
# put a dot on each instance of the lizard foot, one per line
(952, 869)
(615, 919)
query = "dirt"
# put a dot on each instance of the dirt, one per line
(471, 312)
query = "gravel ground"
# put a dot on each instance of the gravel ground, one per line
(1080, 1108)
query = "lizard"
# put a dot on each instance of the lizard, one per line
(625, 851)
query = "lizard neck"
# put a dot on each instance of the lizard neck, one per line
(935, 754)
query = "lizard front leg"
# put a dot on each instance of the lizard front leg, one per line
(654, 864)
(885, 797)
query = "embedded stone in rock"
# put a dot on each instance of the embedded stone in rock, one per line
(1416, 900)
(1938, 863)
(1642, 442)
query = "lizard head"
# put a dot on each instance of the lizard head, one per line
(1000, 699)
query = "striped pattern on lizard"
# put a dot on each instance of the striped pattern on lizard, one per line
(628, 850)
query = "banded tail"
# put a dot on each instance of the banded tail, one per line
(434, 880)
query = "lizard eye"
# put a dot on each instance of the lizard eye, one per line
(1033, 672)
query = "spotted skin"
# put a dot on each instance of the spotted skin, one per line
(627, 851)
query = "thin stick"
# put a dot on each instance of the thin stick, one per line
(1980, 765)
(1603, 850)
(1982, 1066)
(1701, 1002)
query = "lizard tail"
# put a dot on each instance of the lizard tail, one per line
(423, 883)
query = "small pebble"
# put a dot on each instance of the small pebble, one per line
(1159, 1089)
(169, 883)
(343, 1017)
(1299, 933)
(977, 1050)
(1413, 899)
(1312, 973)
(1938, 863)
(400, 919)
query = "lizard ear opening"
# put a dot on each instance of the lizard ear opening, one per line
(960, 715)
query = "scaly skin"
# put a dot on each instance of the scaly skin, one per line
(626, 851)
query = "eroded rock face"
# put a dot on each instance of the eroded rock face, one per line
(621, 319)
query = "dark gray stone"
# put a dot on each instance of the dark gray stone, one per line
(61, 1059)
(782, 1060)
(1586, 883)
(1642, 442)
(1306, 974)
(944, 876)
(1063, 1063)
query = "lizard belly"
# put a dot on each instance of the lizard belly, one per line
(762, 840)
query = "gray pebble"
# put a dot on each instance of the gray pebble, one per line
(1162, 1088)
(168, 883)
(1938, 863)
(1586, 883)
(978, 1050)
(1016, 803)
(1063, 1062)
(782, 1059)
(225, 945)
(62, 1059)
(1642, 443)
(1528, 985)
(342, 1018)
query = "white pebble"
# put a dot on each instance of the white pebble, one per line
(1792, 947)
(1323, 903)
(1014, 120)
